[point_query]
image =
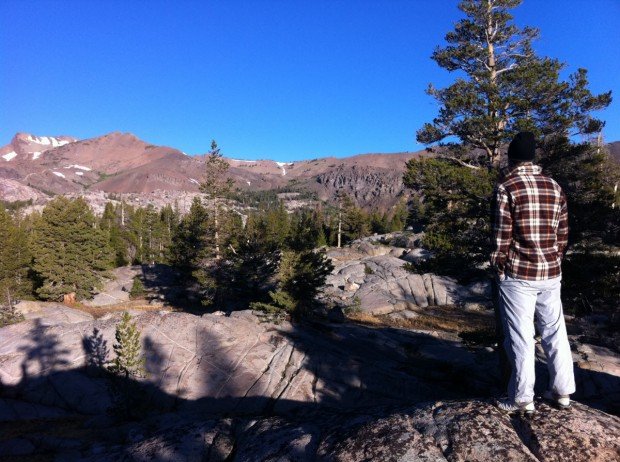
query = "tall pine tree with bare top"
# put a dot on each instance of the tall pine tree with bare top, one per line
(504, 87)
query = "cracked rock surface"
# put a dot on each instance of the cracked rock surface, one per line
(374, 274)
(232, 388)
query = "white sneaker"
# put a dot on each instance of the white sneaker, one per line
(561, 401)
(510, 407)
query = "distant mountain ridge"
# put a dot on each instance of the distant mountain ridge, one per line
(34, 166)
(122, 163)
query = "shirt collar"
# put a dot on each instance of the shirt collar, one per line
(525, 169)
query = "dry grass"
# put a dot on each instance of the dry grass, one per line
(366, 319)
(445, 318)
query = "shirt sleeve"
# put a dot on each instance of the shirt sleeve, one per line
(501, 228)
(562, 233)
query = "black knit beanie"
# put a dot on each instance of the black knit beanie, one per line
(522, 147)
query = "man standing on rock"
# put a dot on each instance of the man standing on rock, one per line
(530, 233)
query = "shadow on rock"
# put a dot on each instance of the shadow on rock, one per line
(229, 388)
(43, 355)
(166, 284)
(96, 351)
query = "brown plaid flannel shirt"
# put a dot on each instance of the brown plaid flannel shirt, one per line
(530, 225)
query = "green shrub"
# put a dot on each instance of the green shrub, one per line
(137, 289)
(355, 306)
(8, 315)
(282, 304)
(300, 275)
(128, 361)
(129, 401)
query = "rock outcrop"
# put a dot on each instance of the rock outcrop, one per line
(232, 388)
(367, 184)
(374, 274)
(218, 361)
(117, 288)
(450, 431)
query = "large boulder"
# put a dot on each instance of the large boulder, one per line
(383, 286)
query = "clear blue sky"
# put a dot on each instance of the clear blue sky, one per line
(284, 79)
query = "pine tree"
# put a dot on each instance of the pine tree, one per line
(399, 217)
(169, 218)
(378, 223)
(152, 235)
(305, 230)
(135, 233)
(70, 253)
(588, 175)
(320, 221)
(300, 275)
(129, 361)
(506, 88)
(246, 275)
(192, 249)
(456, 203)
(14, 265)
(355, 222)
(110, 223)
(216, 185)
(188, 240)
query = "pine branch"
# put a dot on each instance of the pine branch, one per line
(458, 161)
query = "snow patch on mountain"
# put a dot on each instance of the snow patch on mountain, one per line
(245, 161)
(59, 174)
(79, 173)
(194, 181)
(79, 167)
(9, 156)
(36, 155)
(282, 164)
(47, 141)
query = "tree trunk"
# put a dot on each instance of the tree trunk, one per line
(151, 245)
(492, 151)
(339, 227)
(9, 301)
(217, 234)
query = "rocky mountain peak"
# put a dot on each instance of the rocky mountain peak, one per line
(30, 142)
(26, 146)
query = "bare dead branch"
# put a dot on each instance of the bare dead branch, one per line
(458, 161)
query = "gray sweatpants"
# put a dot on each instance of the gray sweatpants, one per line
(519, 300)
